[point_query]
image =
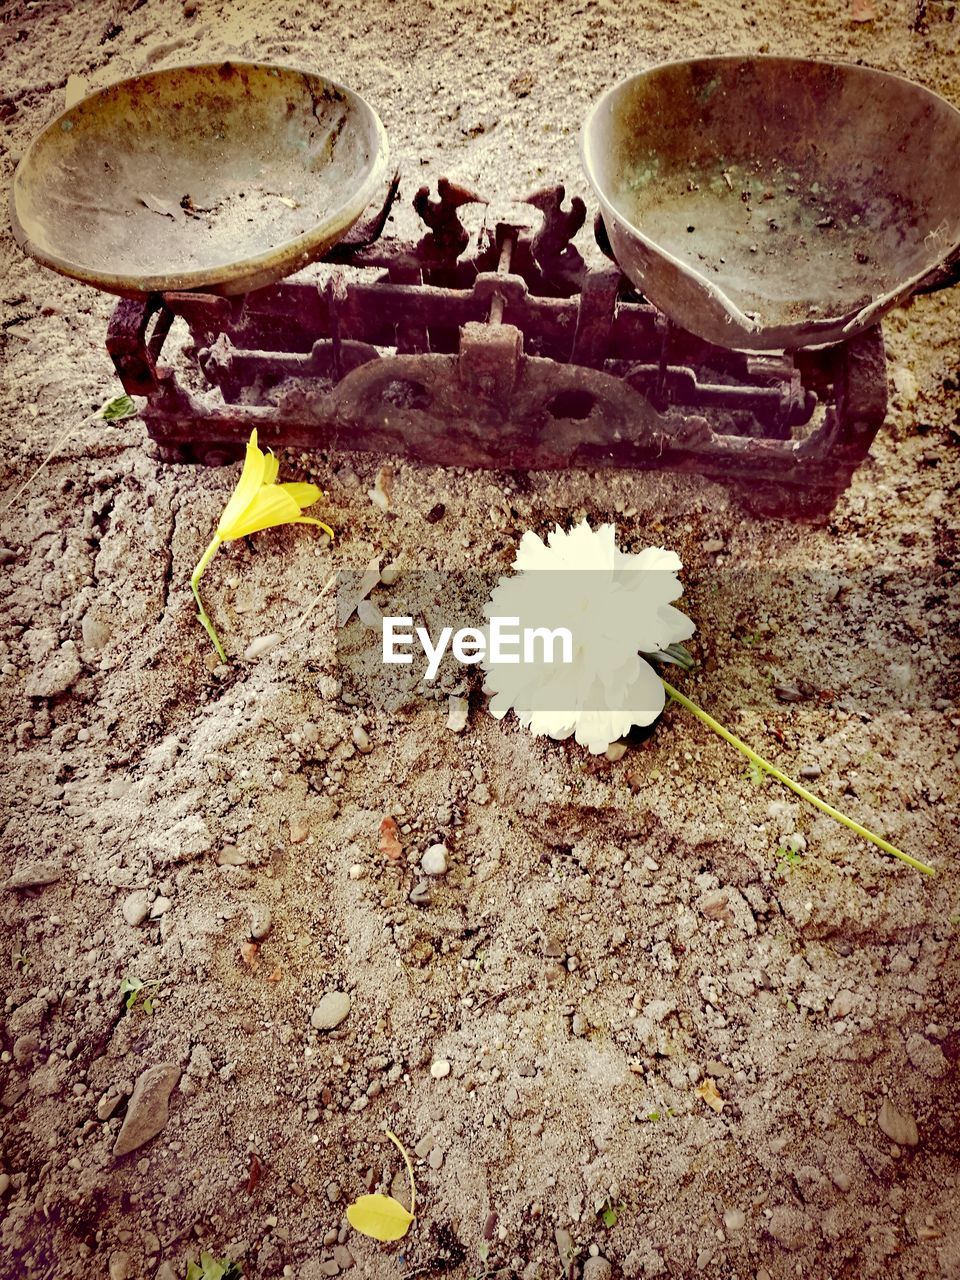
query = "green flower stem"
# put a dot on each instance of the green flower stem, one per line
(197, 574)
(795, 787)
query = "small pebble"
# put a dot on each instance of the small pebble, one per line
(899, 1127)
(420, 894)
(331, 1011)
(434, 861)
(457, 714)
(361, 739)
(136, 908)
(261, 920)
(734, 1220)
(261, 645)
(390, 573)
(440, 1068)
(844, 1002)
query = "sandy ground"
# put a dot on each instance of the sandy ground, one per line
(571, 966)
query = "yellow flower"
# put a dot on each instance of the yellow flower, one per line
(257, 503)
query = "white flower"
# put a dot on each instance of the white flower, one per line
(616, 606)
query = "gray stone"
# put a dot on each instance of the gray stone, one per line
(844, 1002)
(119, 1265)
(566, 1249)
(25, 1049)
(148, 1111)
(95, 630)
(597, 1269)
(59, 673)
(108, 1105)
(331, 1011)
(343, 1257)
(261, 921)
(898, 1127)
(926, 1057)
(420, 894)
(136, 908)
(28, 1017)
(34, 875)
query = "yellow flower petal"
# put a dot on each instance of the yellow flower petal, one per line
(381, 1217)
(251, 478)
(271, 466)
(270, 507)
(304, 495)
(319, 523)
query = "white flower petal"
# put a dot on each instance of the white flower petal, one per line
(616, 605)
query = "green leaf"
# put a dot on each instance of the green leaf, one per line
(117, 408)
(756, 775)
(380, 1217)
(673, 653)
(211, 1268)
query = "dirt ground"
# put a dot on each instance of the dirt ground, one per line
(573, 966)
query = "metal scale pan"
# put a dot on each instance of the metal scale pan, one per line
(767, 202)
(224, 177)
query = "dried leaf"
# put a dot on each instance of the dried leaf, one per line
(253, 1173)
(248, 953)
(167, 208)
(389, 842)
(276, 975)
(707, 1090)
(380, 1217)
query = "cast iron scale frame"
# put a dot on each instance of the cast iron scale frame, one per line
(515, 356)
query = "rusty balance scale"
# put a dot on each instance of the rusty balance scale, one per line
(759, 216)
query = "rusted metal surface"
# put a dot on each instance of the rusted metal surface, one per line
(768, 202)
(514, 355)
(223, 176)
